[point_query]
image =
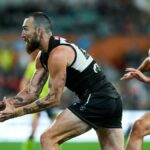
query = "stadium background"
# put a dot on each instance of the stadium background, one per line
(116, 33)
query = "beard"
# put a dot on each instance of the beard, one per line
(32, 45)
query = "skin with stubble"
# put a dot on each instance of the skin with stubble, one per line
(31, 39)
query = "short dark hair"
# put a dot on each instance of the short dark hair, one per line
(41, 19)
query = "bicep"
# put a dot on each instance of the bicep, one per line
(58, 79)
(57, 67)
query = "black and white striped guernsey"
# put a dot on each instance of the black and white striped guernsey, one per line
(83, 75)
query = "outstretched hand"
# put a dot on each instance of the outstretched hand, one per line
(129, 75)
(134, 73)
(8, 112)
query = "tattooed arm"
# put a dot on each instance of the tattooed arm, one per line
(57, 64)
(57, 67)
(31, 92)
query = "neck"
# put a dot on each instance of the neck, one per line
(45, 42)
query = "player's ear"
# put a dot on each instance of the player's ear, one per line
(39, 31)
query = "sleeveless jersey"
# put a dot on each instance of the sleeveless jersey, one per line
(84, 75)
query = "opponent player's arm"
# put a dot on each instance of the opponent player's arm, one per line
(31, 92)
(144, 67)
(57, 64)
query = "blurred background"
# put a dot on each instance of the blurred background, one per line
(116, 33)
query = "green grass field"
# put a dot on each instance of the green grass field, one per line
(65, 146)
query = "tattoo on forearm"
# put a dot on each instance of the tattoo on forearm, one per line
(19, 99)
(41, 105)
(42, 79)
(51, 96)
(27, 110)
(64, 77)
(45, 103)
(39, 81)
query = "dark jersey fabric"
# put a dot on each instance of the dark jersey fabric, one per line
(100, 104)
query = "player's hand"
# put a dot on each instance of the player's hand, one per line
(135, 73)
(139, 75)
(8, 113)
(20, 104)
(17, 102)
(129, 75)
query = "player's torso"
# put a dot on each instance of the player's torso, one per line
(83, 75)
